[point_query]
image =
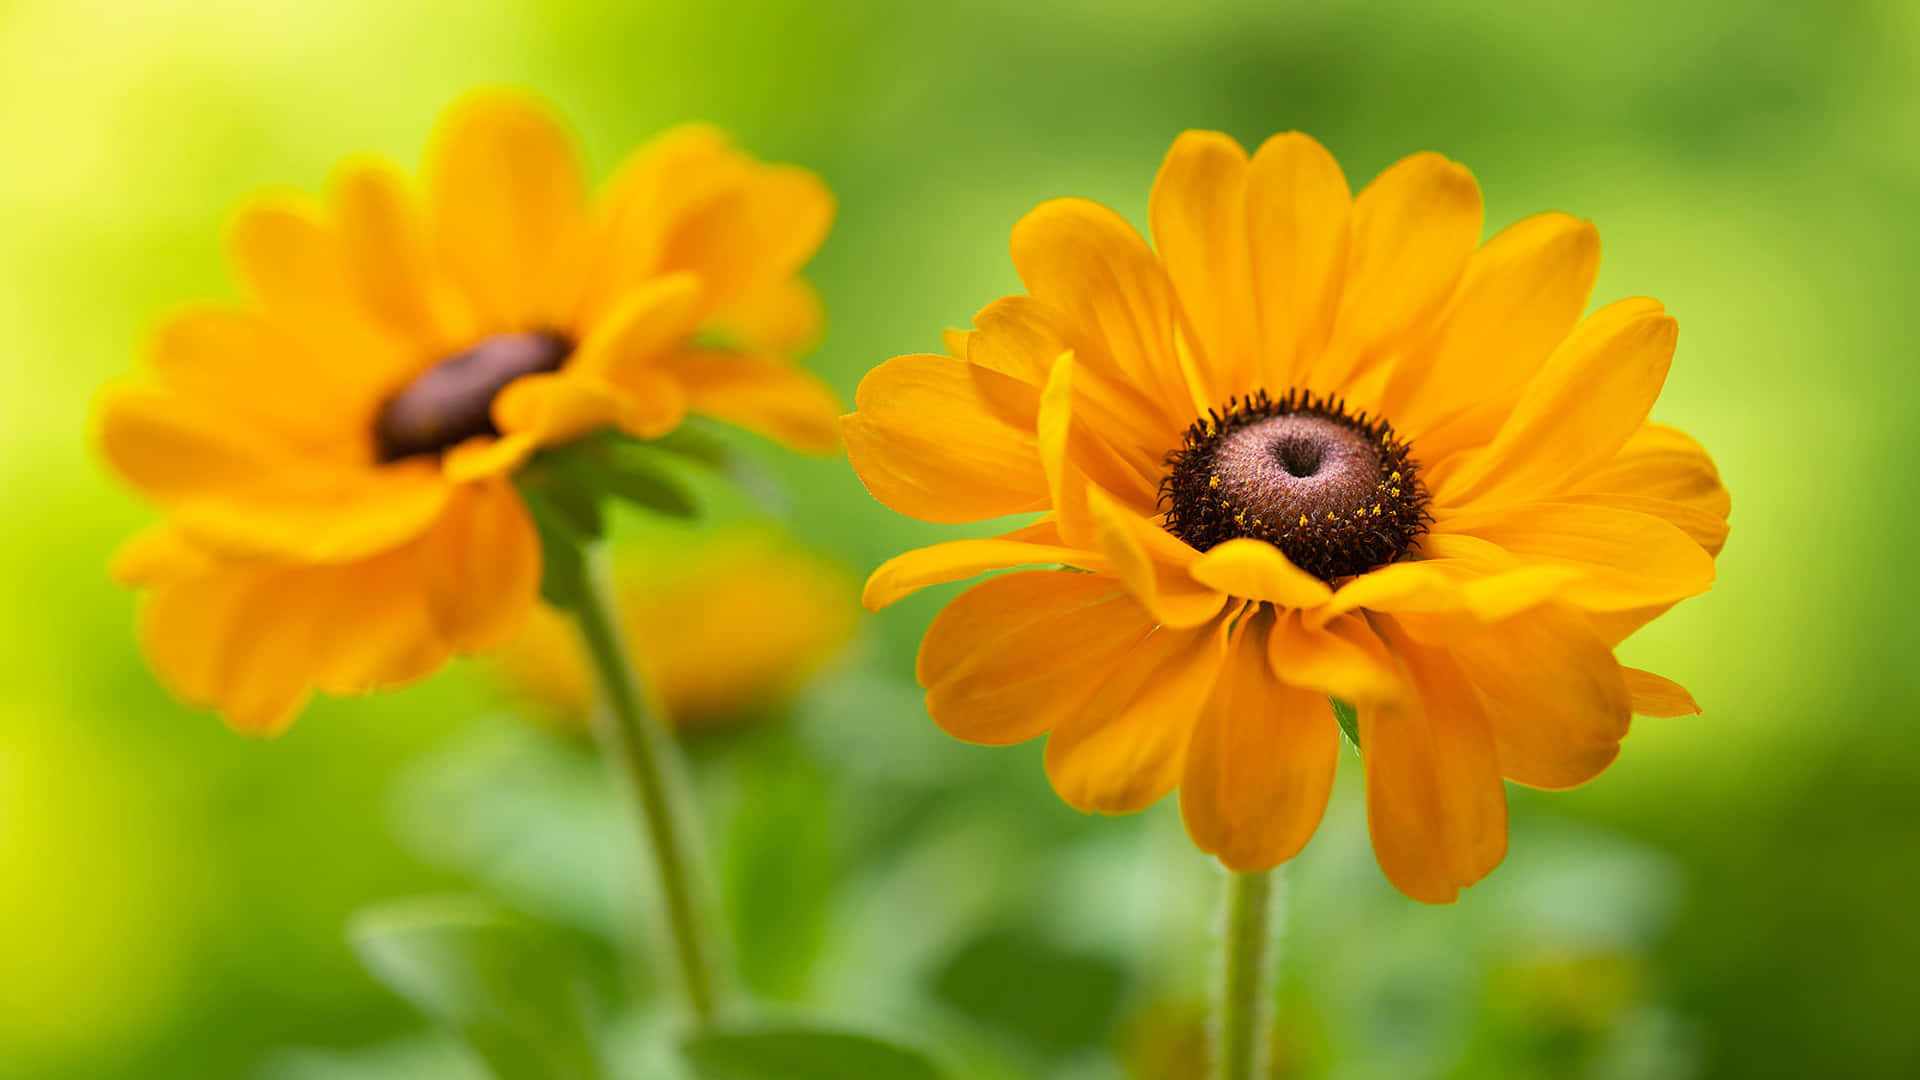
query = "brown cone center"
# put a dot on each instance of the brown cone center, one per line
(452, 401)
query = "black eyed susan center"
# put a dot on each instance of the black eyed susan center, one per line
(1338, 493)
(452, 401)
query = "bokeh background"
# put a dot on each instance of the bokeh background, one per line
(1733, 899)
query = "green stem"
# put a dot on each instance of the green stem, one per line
(1243, 1018)
(637, 746)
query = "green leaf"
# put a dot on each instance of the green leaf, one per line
(1349, 721)
(515, 990)
(563, 561)
(793, 1052)
(1051, 1000)
(779, 865)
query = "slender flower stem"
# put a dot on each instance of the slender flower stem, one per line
(636, 746)
(1243, 1016)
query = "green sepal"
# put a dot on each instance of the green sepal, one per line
(1349, 720)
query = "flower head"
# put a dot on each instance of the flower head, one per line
(1309, 445)
(718, 632)
(334, 457)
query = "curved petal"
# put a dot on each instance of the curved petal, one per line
(1256, 570)
(1436, 807)
(1577, 413)
(926, 441)
(385, 251)
(172, 447)
(1668, 474)
(1656, 696)
(1297, 223)
(482, 567)
(764, 393)
(1261, 762)
(1413, 230)
(1199, 216)
(743, 237)
(238, 640)
(1126, 746)
(322, 517)
(377, 633)
(1343, 659)
(250, 377)
(1625, 560)
(1522, 293)
(1153, 565)
(1553, 693)
(786, 316)
(1012, 657)
(908, 573)
(648, 325)
(508, 210)
(1084, 260)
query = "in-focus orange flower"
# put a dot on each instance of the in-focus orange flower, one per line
(680, 610)
(334, 457)
(1312, 444)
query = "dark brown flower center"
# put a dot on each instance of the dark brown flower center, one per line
(1337, 493)
(452, 401)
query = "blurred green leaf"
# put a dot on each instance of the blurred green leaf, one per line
(793, 1052)
(515, 990)
(1349, 720)
(563, 564)
(1051, 1000)
(779, 866)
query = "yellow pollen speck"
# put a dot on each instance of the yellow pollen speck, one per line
(1213, 481)
(1394, 492)
(1303, 519)
(1331, 516)
(1240, 518)
(1395, 477)
(1376, 509)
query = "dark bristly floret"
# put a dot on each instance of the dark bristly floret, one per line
(1336, 492)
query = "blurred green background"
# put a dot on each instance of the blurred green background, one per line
(1733, 899)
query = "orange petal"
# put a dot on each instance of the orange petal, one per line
(647, 326)
(249, 376)
(746, 236)
(908, 573)
(1673, 478)
(1297, 208)
(926, 441)
(308, 516)
(764, 393)
(1436, 807)
(1413, 230)
(1125, 748)
(1086, 261)
(1625, 559)
(1198, 211)
(1656, 696)
(553, 408)
(385, 251)
(1261, 762)
(1553, 693)
(1256, 570)
(1522, 293)
(157, 555)
(482, 567)
(1013, 656)
(378, 633)
(172, 447)
(238, 640)
(1152, 563)
(786, 316)
(1578, 412)
(508, 210)
(1343, 659)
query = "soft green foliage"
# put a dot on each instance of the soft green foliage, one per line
(800, 1053)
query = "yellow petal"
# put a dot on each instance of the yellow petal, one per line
(1013, 656)
(249, 376)
(1199, 217)
(1436, 807)
(1297, 208)
(749, 235)
(377, 634)
(172, 447)
(1152, 563)
(482, 567)
(553, 408)
(764, 393)
(1256, 570)
(925, 441)
(1343, 659)
(1413, 230)
(786, 316)
(1085, 261)
(1657, 696)
(385, 251)
(1669, 475)
(1261, 762)
(1522, 293)
(647, 326)
(1554, 695)
(157, 555)
(1625, 559)
(908, 573)
(1577, 412)
(508, 210)
(1125, 748)
(237, 640)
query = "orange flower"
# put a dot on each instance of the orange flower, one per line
(334, 460)
(681, 610)
(1314, 445)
